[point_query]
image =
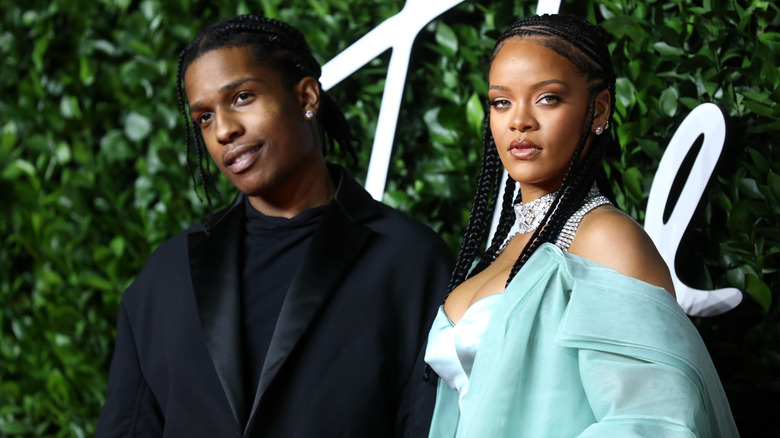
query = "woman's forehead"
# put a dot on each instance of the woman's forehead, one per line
(527, 58)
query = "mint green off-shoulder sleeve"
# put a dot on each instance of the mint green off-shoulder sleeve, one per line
(644, 368)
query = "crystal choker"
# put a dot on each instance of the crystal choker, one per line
(530, 215)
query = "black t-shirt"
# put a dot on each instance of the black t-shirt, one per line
(273, 250)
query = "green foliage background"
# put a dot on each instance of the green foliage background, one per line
(93, 174)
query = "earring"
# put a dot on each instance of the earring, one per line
(599, 130)
(606, 125)
(308, 114)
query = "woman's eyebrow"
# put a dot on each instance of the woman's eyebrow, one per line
(534, 86)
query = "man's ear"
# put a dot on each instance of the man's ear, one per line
(603, 108)
(308, 92)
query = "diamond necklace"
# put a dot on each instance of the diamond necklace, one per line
(530, 215)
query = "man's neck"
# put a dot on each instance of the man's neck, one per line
(315, 189)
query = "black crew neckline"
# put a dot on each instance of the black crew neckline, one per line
(259, 222)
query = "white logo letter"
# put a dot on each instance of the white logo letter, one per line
(708, 120)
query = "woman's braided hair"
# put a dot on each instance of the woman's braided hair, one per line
(274, 44)
(583, 45)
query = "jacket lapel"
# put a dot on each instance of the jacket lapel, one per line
(334, 247)
(216, 272)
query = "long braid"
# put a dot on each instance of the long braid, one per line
(274, 44)
(482, 207)
(581, 43)
(203, 160)
(505, 222)
(335, 128)
(183, 110)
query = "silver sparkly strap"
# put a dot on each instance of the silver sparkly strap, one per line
(593, 200)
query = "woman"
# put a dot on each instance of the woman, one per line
(570, 328)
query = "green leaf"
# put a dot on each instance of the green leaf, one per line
(625, 92)
(63, 153)
(774, 183)
(665, 49)
(97, 282)
(86, 72)
(759, 291)
(759, 160)
(736, 276)
(137, 126)
(759, 108)
(57, 387)
(15, 428)
(771, 39)
(446, 38)
(668, 101)
(105, 46)
(435, 128)
(749, 187)
(114, 146)
(17, 168)
(118, 245)
(632, 180)
(741, 216)
(8, 138)
(39, 51)
(69, 107)
(395, 198)
(690, 103)
(475, 114)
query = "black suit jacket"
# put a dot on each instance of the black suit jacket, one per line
(345, 359)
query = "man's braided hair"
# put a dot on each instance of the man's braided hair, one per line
(276, 45)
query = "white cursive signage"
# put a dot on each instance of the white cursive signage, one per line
(707, 120)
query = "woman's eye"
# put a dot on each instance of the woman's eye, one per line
(549, 99)
(499, 103)
(241, 97)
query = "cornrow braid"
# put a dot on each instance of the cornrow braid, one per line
(274, 44)
(583, 45)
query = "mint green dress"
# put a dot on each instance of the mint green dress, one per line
(575, 349)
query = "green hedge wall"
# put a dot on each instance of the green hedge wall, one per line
(93, 174)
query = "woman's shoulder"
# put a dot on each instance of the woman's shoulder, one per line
(613, 239)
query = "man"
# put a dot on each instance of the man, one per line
(302, 309)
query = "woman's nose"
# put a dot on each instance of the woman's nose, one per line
(523, 119)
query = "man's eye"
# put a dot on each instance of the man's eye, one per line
(204, 118)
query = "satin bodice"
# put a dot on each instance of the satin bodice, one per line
(453, 347)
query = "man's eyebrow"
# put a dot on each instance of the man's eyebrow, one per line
(230, 85)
